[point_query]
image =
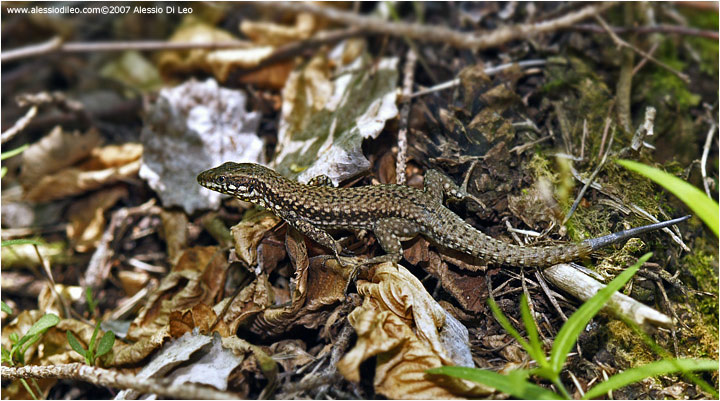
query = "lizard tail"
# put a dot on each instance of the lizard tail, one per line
(597, 243)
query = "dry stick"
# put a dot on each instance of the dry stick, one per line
(55, 45)
(567, 278)
(489, 71)
(644, 61)
(703, 160)
(440, 34)
(590, 180)
(677, 29)
(19, 125)
(621, 43)
(551, 297)
(115, 379)
(48, 273)
(408, 79)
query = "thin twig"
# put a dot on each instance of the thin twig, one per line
(51, 282)
(19, 125)
(644, 61)
(703, 160)
(408, 79)
(621, 43)
(676, 29)
(550, 295)
(115, 379)
(55, 45)
(590, 180)
(490, 71)
(440, 34)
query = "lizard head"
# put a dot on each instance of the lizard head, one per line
(244, 181)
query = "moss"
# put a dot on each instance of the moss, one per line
(700, 270)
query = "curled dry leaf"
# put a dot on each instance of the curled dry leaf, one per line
(197, 278)
(54, 152)
(250, 302)
(248, 233)
(200, 317)
(268, 33)
(133, 281)
(175, 231)
(87, 217)
(221, 63)
(400, 323)
(104, 166)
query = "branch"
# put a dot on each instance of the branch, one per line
(675, 29)
(115, 379)
(583, 287)
(55, 45)
(440, 34)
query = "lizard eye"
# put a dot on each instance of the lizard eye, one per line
(221, 179)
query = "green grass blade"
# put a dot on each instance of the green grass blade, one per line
(705, 208)
(505, 323)
(21, 242)
(515, 384)
(532, 333)
(635, 375)
(570, 331)
(6, 308)
(14, 152)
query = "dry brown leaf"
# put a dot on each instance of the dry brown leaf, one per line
(175, 231)
(133, 281)
(269, 33)
(112, 156)
(198, 277)
(54, 152)
(251, 301)
(248, 233)
(221, 63)
(87, 217)
(398, 322)
(172, 62)
(137, 351)
(201, 317)
(73, 181)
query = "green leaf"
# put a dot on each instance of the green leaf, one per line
(14, 152)
(532, 333)
(47, 321)
(91, 346)
(3, 171)
(705, 208)
(106, 343)
(514, 384)
(570, 331)
(505, 323)
(14, 338)
(75, 344)
(91, 302)
(663, 367)
(6, 356)
(6, 308)
(21, 242)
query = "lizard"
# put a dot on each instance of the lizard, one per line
(393, 213)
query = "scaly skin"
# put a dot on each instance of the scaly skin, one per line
(392, 212)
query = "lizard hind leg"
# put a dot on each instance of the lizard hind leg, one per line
(438, 185)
